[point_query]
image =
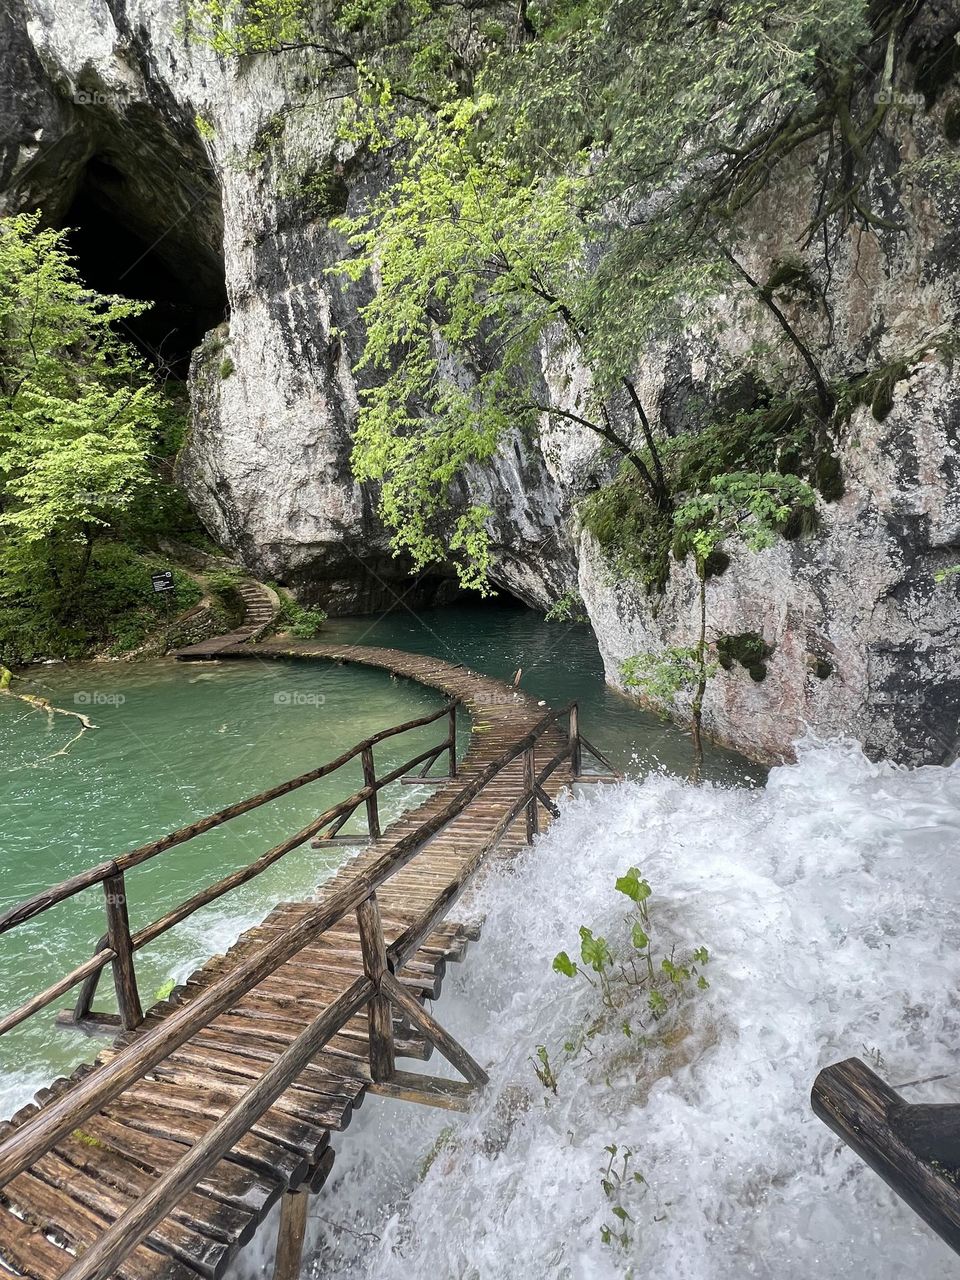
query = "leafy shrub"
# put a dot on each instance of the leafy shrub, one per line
(303, 621)
(116, 607)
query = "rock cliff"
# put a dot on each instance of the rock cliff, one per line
(179, 172)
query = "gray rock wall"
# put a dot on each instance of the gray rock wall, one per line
(106, 97)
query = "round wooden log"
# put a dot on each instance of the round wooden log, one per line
(856, 1104)
(931, 1131)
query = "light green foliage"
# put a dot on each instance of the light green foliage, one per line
(623, 976)
(77, 407)
(453, 216)
(641, 996)
(302, 621)
(661, 676)
(747, 505)
(569, 608)
(80, 416)
(750, 506)
(237, 27)
(620, 1183)
(573, 179)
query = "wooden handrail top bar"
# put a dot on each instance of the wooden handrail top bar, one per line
(46, 898)
(40, 1133)
(156, 928)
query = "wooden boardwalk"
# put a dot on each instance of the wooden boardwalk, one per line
(96, 1171)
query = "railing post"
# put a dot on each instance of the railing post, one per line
(576, 762)
(290, 1235)
(452, 750)
(370, 780)
(118, 939)
(530, 788)
(379, 1013)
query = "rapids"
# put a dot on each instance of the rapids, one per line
(829, 902)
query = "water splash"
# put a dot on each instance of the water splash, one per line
(830, 902)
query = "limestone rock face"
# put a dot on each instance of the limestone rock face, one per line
(864, 640)
(112, 118)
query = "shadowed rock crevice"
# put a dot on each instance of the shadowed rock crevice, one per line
(120, 249)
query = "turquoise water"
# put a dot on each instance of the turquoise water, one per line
(175, 742)
(559, 662)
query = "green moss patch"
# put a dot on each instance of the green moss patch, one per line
(749, 649)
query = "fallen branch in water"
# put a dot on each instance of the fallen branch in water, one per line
(44, 704)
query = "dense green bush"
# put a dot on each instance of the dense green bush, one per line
(116, 608)
(303, 621)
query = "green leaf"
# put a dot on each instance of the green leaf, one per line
(639, 938)
(594, 951)
(563, 964)
(634, 886)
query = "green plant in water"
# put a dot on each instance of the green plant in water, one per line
(618, 1181)
(569, 608)
(619, 977)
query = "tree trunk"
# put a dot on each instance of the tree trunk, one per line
(696, 710)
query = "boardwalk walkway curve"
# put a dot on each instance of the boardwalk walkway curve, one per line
(96, 1177)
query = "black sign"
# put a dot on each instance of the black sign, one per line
(162, 581)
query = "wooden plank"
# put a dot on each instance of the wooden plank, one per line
(219, 1220)
(26, 1250)
(230, 1183)
(203, 1254)
(269, 1158)
(428, 1091)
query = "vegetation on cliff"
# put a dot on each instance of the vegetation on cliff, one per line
(84, 431)
(568, 187)
(569, 183)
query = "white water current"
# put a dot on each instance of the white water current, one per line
(829, 902)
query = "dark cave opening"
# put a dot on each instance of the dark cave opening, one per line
(127, 243)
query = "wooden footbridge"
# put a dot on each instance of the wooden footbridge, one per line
(162, 1157)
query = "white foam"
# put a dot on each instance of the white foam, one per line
(830, 904)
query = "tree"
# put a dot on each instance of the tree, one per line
(575, 177)
(754, 508)
(77, 412)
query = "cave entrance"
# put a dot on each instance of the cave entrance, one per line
(163, 248)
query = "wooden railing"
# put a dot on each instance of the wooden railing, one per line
(377, 990)
(118, 945)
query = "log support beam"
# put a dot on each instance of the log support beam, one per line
(293, 1228)
(895, 1139)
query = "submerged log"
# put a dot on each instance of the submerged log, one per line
(877, 1123)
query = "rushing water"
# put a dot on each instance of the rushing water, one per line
(830, 904)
